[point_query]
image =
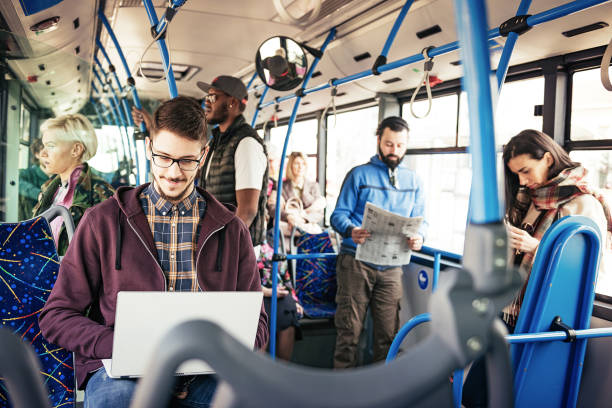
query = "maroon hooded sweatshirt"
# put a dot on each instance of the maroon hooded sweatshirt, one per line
(113, 250)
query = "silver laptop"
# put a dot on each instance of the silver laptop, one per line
(143, 318)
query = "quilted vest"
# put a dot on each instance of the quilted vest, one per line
(221, 178)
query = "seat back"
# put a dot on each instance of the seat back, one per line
(562, 283)
(29, 265)
(315, 278)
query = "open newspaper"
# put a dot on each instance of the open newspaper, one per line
(387, 244)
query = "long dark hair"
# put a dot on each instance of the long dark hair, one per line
(535, 144)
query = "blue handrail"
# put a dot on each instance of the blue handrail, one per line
(160, 27)
(130, 79)
(126, 107)
(258, 109)
(113, 113)
(396, 26)
(119, 111)
(397, 341)
(504, 61)
(252, 80)
(484, 201)
(575, 6)
(330, 37)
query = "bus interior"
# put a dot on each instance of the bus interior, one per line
(74, 56)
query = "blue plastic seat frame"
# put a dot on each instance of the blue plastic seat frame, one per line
(562, 283)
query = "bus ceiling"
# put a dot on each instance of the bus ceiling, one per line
(51, 44)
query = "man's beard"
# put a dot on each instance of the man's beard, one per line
(223, 115)
(391, 163)
(176, 197)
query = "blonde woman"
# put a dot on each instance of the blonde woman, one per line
(69, 141)
(302, 204)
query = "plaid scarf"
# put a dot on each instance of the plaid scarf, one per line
(548, 201)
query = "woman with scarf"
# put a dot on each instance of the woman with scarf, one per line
(543, 185)
(69, 141)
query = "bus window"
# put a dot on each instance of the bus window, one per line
(514, 113)
(303, 139)
(24, 138)
(446, 179)
(438, 129)
(591, 106)
(351, 140)
(599, 165)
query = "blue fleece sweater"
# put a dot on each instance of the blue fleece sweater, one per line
(370, 183)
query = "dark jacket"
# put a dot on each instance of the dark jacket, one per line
(30, 181)
(90, 190)
(113, 250)
(221, 178)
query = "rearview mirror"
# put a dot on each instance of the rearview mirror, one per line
(281, 63)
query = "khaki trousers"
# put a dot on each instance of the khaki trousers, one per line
(360, 286)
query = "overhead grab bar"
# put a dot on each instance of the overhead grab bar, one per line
(543, 17)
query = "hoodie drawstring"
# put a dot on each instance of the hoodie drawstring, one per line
(118, 246)
(220, 249)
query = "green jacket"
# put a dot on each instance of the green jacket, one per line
(30, 181)
(90, 190)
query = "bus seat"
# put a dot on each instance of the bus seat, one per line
(315, 278)
(29, 265)
(562, 283)
(19, 367)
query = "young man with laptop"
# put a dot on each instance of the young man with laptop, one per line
(165, 236)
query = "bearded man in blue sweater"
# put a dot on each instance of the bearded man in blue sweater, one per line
(387, 183)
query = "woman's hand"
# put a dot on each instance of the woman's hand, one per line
(521, 240)
(281, 291)
(295, 220)
(299, 309)
(359, 235)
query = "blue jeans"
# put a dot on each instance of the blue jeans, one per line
(102, 391)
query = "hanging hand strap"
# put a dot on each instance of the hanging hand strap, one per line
(427, 67)
(332, 102)
(605, 64)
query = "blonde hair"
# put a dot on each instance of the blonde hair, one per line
(74, 128)
(292, 157)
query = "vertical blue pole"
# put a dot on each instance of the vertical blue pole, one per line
(163, 49)
(471, 20)
(100, 118)
(130, 79)
(436, 271)
(115, 110)
(279, 189)
(119, 110)
(126, 108)
(457, 387)
(261, 98)
(396, 27)
(504, 61)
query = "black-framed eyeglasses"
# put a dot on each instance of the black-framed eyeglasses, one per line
(165, 162)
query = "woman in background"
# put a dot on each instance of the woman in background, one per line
(69, 141)
(302, 204)
(30, 181)
(543, 185)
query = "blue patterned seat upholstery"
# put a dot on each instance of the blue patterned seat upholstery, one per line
(28, 269)
(315, 282)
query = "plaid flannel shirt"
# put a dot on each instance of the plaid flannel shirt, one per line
(175, 231)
